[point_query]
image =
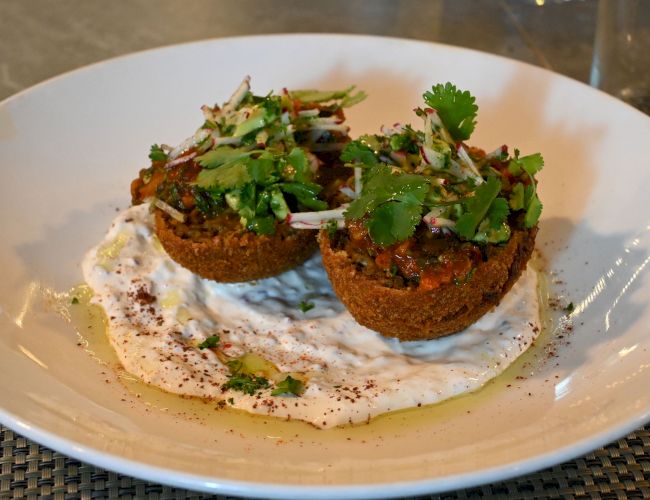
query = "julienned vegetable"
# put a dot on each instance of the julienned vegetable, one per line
(257, 156)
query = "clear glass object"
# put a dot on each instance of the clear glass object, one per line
(621, 60)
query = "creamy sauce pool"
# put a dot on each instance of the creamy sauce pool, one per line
(158, 313)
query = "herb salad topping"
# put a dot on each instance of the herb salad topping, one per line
(425, 204)
(255, 156)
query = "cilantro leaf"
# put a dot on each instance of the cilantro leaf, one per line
(298, 160)
(289, 386)
(157, 154)
(262, 170)
(533, 212)
(262, 224)
(383, 185)
(457, 109)
(228, 176)
(212, 341)
(393, 221)
(477, 207)
(498, 212)
(358, 152)
(530, 164)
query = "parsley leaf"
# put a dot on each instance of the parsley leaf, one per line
(457, 109)
(212, 341)
(74, 300)
(289, 386)
(477, 207)
(305, 306)
(393, 221)
(569, 308)
(157, 154)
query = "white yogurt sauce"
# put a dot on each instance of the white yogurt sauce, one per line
(158, 312)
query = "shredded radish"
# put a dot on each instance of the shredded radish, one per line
(180, 159)
(315, 220)
(497, 153)
(207, 112)
(314, 162)
(467, 161)
(188, 143)
(348, 192)
(397, 128)
(238, 95)
(173, 213)
(433, 219)
(220, 141)
(308, 112)
(357, 180)
(432, 157)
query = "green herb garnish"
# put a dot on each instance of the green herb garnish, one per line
(477, 206)
(248, 384)
(255, 156)
(305, 306)
(157, 154)
(74, 300)
(393, 204)
(210, 342)
(289, 386)
(569, 308)
(457, 109)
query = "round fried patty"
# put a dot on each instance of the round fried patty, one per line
(413, 314)
(233, 254)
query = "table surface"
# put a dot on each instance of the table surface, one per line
(40, 39)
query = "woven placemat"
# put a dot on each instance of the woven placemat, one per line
(619, 470)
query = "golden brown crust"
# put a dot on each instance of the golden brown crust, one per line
(236, 255)
(412, 314)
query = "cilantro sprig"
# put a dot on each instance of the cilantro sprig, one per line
(456, 108)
